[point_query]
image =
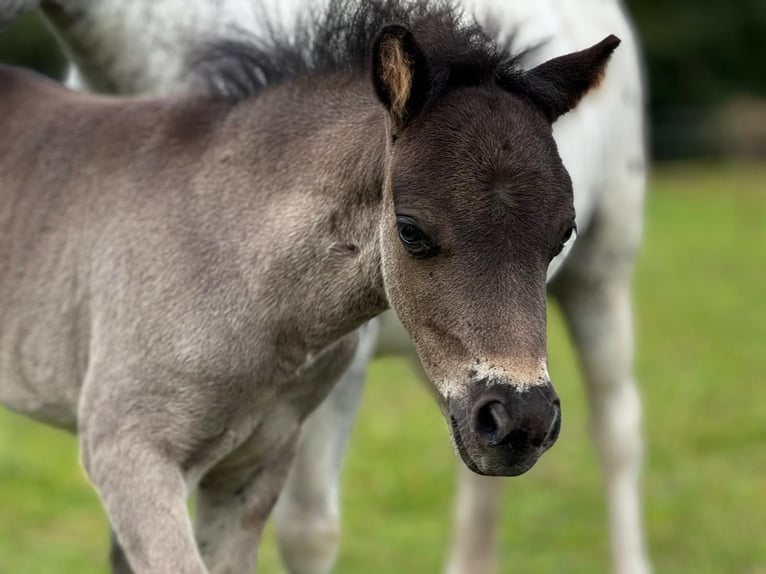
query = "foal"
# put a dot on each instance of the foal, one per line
(140, 47)
(180, 277)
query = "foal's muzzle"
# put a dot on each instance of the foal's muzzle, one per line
(502, 429)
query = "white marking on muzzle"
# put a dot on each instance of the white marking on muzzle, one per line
(518, 375)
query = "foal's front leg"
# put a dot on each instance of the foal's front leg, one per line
(144, 493)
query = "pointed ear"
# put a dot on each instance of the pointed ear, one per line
(400, 74)
(559, 84)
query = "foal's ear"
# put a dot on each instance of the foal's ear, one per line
(559, 84)
(400, 73)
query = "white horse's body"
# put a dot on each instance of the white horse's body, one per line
(140, 47)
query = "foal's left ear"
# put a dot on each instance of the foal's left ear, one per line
(400, 74)
(559, 84)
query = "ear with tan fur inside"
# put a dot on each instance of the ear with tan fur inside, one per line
(396, 73)
(399, 73)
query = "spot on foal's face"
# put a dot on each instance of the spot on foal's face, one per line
(479, 203)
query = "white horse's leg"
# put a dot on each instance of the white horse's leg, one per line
(594, 291)
(307, 514)
(474, 540)
(145, 497)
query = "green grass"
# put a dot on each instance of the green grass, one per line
(702, 361)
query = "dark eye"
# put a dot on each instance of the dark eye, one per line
(412, 237)
(572, 230)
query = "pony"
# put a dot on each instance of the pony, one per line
(183, 277)
(141, 47)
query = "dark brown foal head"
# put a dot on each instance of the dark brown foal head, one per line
(478, 203)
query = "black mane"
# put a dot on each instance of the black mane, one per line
(339, 38)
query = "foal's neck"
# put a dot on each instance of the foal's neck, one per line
(313, 153)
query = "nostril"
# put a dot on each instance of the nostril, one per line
(493, 423)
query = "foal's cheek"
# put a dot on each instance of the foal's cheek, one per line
(402, 294)
(399, 274)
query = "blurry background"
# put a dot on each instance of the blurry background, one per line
(701, 321)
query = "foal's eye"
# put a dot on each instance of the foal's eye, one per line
(569, 235)
(412, 237)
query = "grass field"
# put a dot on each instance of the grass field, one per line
(701, 285)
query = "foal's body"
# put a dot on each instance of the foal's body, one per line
(147, 312)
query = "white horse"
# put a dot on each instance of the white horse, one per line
(141, 47)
